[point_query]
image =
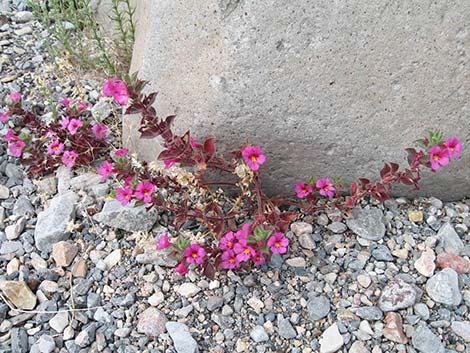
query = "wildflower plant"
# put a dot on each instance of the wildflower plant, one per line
(247, 230)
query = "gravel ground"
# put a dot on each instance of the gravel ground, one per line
(85, 276)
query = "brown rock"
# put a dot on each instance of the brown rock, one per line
(457, 263)
(63, 253)
(152, 322)
(79, 268)
(393, 329)
(415, 216)
(19, 294)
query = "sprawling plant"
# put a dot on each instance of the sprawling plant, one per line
(180, 184)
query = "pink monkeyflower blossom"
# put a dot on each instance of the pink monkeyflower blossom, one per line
(74, 125)
(244, 251)
(454, 147)
(81, 106)
(243, 233)
(325, 187)
(65, 102)
(117, 89)
(194, 254)
(15, 97)
(10, 136)
(181, 269)
(100, 131)
(144, 191)
(4, 117)
(55, 147)
(124, 195)
(253, 156)
(105, 171)
(278, 243)
(65, 122)
(169, 163)
(438, 157)
(49, 133)
(163, 242)
(193, 144)
(303, 190)
(122, 152)
(258, 258)
(16, 148)
(227, 242)
(69, 158)
(229, 260)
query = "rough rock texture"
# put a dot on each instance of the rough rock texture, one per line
(320, 77)
(19, 294)
(52, 222)
(179, 333)
(129, 218)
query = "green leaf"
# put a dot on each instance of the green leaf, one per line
(262, 234)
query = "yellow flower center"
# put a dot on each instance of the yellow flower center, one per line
(246, 251)
(229, 244)
(436, 158)
(146, 193)
(277, 245)
(231, 261)
(253, 159)
(194, 255)
(325, 188)
(452, 149)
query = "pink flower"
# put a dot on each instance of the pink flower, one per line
(100, 131)
(169, 163)
(144, 191)
(10, 136)
(181, 269)
(117, 89)
(124, 195)
(122, 152)
(68, 158)
(325, 187)
(227, 241)
(454, 147)
(65, 102)
(16, 148)
(438, 157)
(4, 117)
(163, 242)
(258, 258)
(244, 251)
(194, 254)
(15, 97)
(105, 171)
(278, 243)
(253, 156)
(128, 181)
(64, 123)
(303, 190)
(81, 106)
(55, 147)
(243, 233)
(74, 125)
(229, 260)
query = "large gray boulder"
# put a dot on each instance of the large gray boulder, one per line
(327, 89)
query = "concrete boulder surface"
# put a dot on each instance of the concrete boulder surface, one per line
(327, 89)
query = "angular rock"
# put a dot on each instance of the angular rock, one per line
(367, 223)
(285, 329)
(11, 247)
(52, 223)
(214, 302)
(151, 322)
(337, 227)
(258, 334)
(299, 228)
(296, 262)
(369, 313)
(23, 207)
(13, 231)
(4, 192)
(86, 336)
(188, 290)
(358, 347)
(457, 263)
(425, 264)
(19, 294)
(38, 262)
(462, 329)
(159, 258)
(63, 253)
(393, 329)
(156, 299)
(425, 341)
(113, 259)
(318, 308)
(382, 253)
(450, 239)
(46, 344)
(79, 268)
(59, 322)
(331, 340)
(128, 218)
(397, 295)
(443, 287)
(19, 340)
(182, 339)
